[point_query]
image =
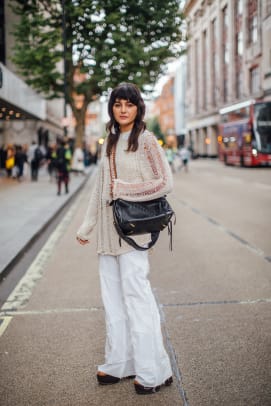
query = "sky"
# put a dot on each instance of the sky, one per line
(171, 68)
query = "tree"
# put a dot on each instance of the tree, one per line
(154, 126)
(108, 42)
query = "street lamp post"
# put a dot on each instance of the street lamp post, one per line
(64, 38)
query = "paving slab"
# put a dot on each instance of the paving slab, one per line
(223, 352)
(206, 263)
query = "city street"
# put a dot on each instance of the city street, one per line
(213, 290)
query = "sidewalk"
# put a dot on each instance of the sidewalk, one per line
(26, 208)
(213, 293)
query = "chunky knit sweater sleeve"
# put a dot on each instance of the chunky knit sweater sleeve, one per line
(158, 181)
(91, 215)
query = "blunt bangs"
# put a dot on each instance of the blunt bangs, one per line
(126, 92)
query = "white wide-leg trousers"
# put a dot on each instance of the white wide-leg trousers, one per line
(134, 343)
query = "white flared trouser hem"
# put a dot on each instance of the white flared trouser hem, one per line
(134, 342)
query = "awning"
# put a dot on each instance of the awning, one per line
(17, 100)
(210, 120)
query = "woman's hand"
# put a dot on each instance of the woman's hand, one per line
(82, 242)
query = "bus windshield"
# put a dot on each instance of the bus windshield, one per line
(263, 125)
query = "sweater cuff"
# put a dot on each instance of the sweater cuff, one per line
(82, 234)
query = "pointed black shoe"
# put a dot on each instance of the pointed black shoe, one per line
(146, 390)
(107, 379)
(110, 380)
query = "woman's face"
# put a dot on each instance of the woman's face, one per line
(124, 113)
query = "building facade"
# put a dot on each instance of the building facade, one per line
(164, 108)
(228, 61)
(25, 115)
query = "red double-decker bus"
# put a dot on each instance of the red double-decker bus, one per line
(245, 134)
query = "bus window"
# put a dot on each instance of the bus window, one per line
(263, 125)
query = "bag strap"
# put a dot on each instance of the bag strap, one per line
(112, 168)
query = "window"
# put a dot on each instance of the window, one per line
(254, 79)
(239, 84)
(239, 48)
(197, 75)
(214, 62)
(239, 7)
(226, 54)
(268, 8)
(239, 40)
(189, 66)
(204, 70)
(252, 21)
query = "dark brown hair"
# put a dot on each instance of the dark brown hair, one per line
(126, 91)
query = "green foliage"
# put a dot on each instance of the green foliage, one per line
(154, 126)
(111, 40)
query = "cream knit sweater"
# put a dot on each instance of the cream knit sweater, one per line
(142, 175)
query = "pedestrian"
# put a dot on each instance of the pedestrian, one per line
(134, 343)
(10, 160)
(35, 157)
(78, 165)
(62, 158)
(185, 156)
(170, 154)
(20, 160)
(50, 158)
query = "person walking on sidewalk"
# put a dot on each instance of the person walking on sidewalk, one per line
(62, 158)
(134, 343)
(185, 156)
(78, 165)
(35, 157)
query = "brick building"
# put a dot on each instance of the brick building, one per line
(164, 109)
(229, 61)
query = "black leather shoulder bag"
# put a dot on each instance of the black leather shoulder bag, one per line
(136, 218)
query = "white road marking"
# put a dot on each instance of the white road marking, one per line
(4, 322)
(21, 294)
(10, 313)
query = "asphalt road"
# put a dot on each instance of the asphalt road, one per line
(214, 293)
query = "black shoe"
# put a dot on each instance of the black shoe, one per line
(110, 380)
(146, 390)
(107, 379)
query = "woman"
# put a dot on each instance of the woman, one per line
(78, 160)
(134, 344)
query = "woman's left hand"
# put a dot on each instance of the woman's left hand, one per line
(82, 242)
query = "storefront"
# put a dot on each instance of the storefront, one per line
(21, 109)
